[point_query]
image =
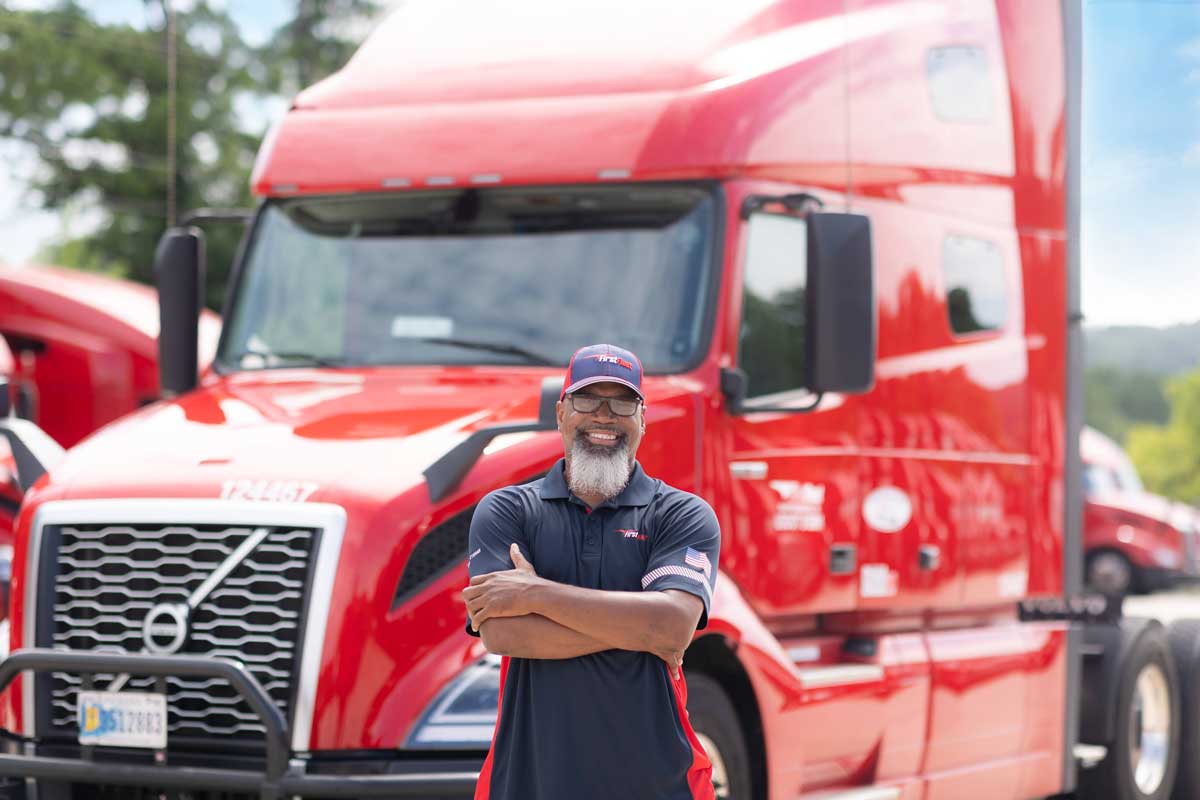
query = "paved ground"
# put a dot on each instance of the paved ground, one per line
(1176, 604)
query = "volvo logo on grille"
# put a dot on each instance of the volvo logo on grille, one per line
(165, 628)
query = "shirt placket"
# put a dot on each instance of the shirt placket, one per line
(593, 528)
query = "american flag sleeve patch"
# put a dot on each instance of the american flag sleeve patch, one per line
(694, 558)
(683, 572)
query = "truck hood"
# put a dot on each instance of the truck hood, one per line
(368, 432)
(1144, 504)
(393, 620)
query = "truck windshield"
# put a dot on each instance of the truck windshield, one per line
(501, 276)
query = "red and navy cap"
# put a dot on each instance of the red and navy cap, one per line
(601, 363)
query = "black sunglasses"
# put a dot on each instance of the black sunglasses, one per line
(590, 404)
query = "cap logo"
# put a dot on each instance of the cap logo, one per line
(607, 359)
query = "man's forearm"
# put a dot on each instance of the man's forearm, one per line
(535, 636)
(640, 621)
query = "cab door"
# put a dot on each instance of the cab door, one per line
(794, 467)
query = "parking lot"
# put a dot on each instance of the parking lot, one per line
(1179, 603)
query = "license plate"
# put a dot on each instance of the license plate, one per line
(123, 719)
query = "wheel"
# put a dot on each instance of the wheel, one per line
(1109, 572)
(1184, 638)
(716, 724)
(1141, 760)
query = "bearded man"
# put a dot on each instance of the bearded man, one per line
(592, 697)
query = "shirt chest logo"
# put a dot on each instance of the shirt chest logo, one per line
(631, 533)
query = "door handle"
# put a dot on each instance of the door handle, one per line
(843, 559)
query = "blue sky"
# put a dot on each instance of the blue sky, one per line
(256, 18)
(1141, 162)
(1141, 155)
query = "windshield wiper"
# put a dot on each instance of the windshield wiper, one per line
(305, 359)
(505, 349)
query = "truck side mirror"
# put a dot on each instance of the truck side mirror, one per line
(840, 343)
(179, 275)
(5, 397)
(808, 310)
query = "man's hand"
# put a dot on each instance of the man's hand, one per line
(501, 594)
(673, 659)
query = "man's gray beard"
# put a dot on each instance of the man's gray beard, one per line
(597, 470)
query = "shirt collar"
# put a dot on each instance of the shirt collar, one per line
(638, 492)
(554, 485)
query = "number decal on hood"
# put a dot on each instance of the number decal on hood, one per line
(267, 490)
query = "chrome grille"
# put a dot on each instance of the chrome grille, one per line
(109, 577)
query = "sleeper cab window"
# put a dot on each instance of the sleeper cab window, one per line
(976, 286)
(960, 84)
(771, 347)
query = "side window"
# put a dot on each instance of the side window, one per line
(771, 347)
(976, 288)
(960, 86)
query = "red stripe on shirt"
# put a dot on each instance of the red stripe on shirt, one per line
(699, 776)
(483, 787)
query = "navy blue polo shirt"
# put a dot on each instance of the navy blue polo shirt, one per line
(610, 724)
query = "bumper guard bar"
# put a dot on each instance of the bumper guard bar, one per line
(277, 781)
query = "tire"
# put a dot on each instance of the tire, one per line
(1110, 572)
(716, 724)
(1143, 756)
(1184, 639)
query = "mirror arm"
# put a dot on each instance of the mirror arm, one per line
(733, 385)
(205, 215)
(756, 409)
(800, 203)
(811, 406)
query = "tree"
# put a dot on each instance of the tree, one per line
(92, 100)
(316, 42)
(1168, 456)
(1115, 399)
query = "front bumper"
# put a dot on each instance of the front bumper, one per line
(284, 775)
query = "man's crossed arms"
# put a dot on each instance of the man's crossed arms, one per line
(520, 614)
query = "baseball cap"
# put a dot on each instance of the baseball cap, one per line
(603, 363)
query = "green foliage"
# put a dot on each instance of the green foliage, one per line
(1115, 399)
(1171, 350)
(1168, 456)
(92, 99)
(315, 43)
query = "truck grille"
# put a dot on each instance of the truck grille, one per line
(110, 576)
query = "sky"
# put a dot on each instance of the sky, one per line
(1141, 162)
(1141, 156)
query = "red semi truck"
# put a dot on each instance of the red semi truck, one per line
(843, 237)
(85, 346)
(79, 350)
(1133, 540)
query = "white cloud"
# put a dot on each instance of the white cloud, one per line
(1191, 157)
(1140, 236)
(1141, 275)
(1190, 50)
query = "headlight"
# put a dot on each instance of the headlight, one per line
(6, 554)
(463, 716)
